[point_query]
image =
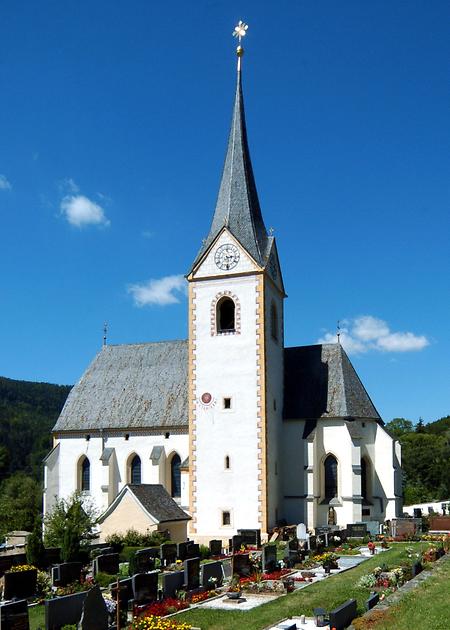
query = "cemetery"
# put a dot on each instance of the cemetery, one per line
(322, 580)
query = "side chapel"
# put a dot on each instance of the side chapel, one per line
(228, 429)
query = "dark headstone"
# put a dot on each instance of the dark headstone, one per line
(20, 584)
(312, 543)
(241, 564)
(236, 543)
(211, 574)
(65, 610)
(287, 625)
(356, 530)
(192, 550)
(144, 560)
(215, 547)
(416, 568)
(192, 573)
(125, 592)
(182, 549)
(417, 513)
(94, 615)
(319, 531)
(172, 582)
(342, 616)
(66, 573)
(269, 558)
(250, 537)
(52, 555)
(373, 600)
(168, 553)
(6, 562)
(145, 587)
(107, 563)
(292, 544)
(14, 615)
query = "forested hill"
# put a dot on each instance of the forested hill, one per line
(28, 412)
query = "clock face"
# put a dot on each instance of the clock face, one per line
(226, 256)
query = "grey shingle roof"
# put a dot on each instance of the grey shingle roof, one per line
(320, 382)
(154, 498)
(130, 386)
(237, 203)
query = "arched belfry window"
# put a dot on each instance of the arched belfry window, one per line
(331, 477)
(274, 321)
(85, 475)
(175, 476)
(225, 315)
(135, 470)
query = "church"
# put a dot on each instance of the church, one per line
(228, 429)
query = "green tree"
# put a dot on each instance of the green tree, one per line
(20, 503)
(70, 519)
(399, 426)
(35, 546)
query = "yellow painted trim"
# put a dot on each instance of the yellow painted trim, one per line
(191, 407)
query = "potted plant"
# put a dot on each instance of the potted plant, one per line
(234, 590)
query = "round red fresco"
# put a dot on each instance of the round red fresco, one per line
(206, 398)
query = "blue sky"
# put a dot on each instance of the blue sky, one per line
(113, 128)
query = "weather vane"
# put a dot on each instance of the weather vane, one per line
(240, 31)
(338, 332)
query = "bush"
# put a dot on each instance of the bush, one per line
(35, 546)
(204, 552)
(133, 538)
(105, 579)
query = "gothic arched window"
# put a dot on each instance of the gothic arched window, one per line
(85, 475)
(331, 477)
(274, 321)
(135, 470)
(225, 315)
(175, 476)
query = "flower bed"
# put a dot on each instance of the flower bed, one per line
(153, 622)
(165, 607)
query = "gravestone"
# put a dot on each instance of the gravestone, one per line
(312, 543)
(227, 569)
(62, 611)
(94, 615)
(292, 544)
(145, 587)
(66, 573)
(417, 513)
(320, 531)
(301, 531)
(215, 547)
(107, 563)
(269, 558)
(143, 561)
(406, 527)
(168, 553)
(192, 573)
(416, 568)
(241, 564)
(440, 523)
(250, 537)
(236, 543)
(182, 550)
(211, 574)
(342, 616)
(20, 584)
(14, 616)
(193, 550)
(172, 582)
(125, 592)
(356, 530)
(373, 600)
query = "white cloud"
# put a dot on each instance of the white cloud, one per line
(366, 333)
(81, 211)
(4, 183)
(161, 292)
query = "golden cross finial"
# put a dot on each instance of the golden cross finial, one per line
(240, 30)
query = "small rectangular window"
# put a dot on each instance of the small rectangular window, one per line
(226, 519)
(227, 403)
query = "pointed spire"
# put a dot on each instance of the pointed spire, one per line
(237, 205)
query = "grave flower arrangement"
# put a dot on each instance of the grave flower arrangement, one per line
(165, 607)
(153, 622)
(18, 568)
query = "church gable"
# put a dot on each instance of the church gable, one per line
(221, 259)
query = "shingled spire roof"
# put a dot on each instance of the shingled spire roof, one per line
(237, 205)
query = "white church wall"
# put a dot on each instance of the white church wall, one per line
(51, 479)
(73, 448)
(226, 367)
(386, 471)
(274, 399)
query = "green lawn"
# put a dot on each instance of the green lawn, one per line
(328, 594)
(37, 618)
(427, 606)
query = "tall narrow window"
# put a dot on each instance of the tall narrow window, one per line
(365, 468)
(331, 477)
(85, 475)
(225, 315)
(227, 462)
(175, 476)
(226, 518)
(135, 470)
(274, 321)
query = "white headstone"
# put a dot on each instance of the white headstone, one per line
(301, 532)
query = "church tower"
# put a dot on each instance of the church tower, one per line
(236, 345)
